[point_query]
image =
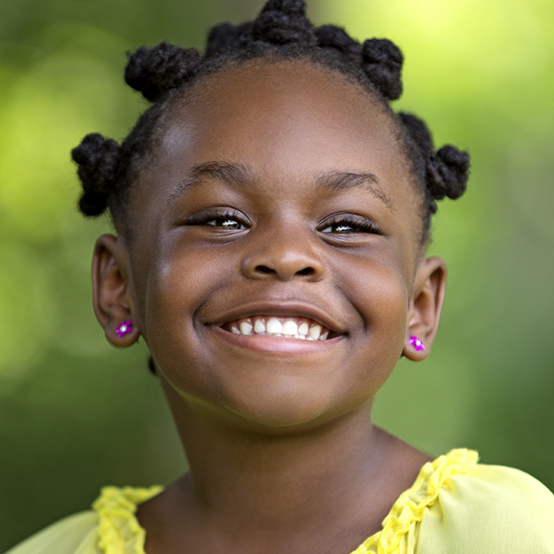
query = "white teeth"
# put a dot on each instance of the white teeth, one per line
(274, 326)
(259, 326)
(296, 328)
(246, 328)
(290, 328)
(315, 331)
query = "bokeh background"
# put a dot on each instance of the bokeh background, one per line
(75, 414)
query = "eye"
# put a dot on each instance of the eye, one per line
(222, 219)
(344, 224)
(225, 223)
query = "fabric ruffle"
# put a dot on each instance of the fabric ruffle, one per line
(408, 510)
(119, 531)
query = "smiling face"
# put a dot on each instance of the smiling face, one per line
(277, 202)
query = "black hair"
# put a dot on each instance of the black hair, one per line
(280, 32)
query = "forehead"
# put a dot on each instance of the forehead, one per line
(287, 120)
(281, 110)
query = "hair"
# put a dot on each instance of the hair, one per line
(281, 31)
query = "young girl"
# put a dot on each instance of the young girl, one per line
(272, 214)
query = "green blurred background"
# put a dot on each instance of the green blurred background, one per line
(75, 414)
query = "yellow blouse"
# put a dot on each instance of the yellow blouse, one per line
(455, 506)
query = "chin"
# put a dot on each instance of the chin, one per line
(278, 418)
(272, 399)
(288, 411)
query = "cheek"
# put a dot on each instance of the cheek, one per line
(179, 281)
(381, 303)
(377, 288)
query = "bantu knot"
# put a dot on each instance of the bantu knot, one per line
(331, 36)
(97, 159)
(382, 61)
(154, 71)
(226, 36)
(447, 173)
(284, 22)
(288, 7)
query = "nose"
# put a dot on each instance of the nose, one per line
(284, 256)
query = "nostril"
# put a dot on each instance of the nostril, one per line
(264, 269)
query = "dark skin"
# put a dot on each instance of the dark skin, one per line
(279, 190)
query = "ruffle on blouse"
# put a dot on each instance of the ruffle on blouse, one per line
(119, 531)
(408, 510)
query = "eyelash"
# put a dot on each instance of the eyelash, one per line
(357, 224)
(221, 216)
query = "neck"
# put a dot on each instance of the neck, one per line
(280, 489)
(278, 476)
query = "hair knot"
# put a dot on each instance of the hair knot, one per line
(382, 61)
(331, 36)
(154, 71)
(97, 159)
(447, 173)
(225, 37)
(284, 22)
(287, 7)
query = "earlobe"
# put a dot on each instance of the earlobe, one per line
(425, 308)
(112, 300)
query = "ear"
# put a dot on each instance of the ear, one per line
(111, 292)
(425, 308)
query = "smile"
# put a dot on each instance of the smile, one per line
(296, 328)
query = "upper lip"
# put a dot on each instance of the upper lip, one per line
(280, 309)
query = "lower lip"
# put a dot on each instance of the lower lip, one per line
(282, 345)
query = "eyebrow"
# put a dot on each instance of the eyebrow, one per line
(234, 174)
(239, 174)
(368, 182)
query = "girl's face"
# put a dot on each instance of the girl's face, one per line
(278, 190)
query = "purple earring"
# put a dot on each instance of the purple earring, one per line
(416, 343)
(124, 327)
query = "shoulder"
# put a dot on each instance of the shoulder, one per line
(489, 509)
(111, 526)
(71, 535)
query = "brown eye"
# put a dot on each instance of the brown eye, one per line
(341, 228)
(225, 223)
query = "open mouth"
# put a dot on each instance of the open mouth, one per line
(296, 328)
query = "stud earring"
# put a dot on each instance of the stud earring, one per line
(124, 327)
(416, 343)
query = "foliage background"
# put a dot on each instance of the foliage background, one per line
(76, 415)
